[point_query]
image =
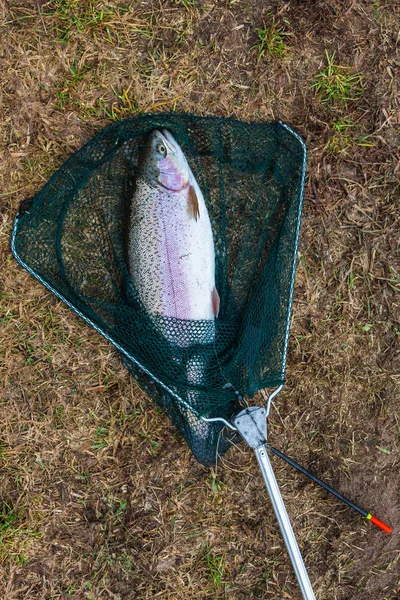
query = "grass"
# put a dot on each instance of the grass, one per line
(14, 536)
(215, 564)
(345, 135)
(123, 103)
(101, 440)
(272, 42)
(100, 496)
(75, 16)
(7, 518)
(337, 83)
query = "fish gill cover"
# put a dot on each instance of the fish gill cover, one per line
(73, 239)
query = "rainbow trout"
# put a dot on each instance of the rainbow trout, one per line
(170, 244)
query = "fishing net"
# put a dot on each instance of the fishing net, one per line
(72, 238)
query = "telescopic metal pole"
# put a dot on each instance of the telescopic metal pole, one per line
(252, 426)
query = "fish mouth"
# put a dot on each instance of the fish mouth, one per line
(174, 164)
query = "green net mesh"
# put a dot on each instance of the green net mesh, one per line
(73, 239)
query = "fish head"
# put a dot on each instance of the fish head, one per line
(165, 163)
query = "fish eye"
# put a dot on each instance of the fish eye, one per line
(161, 149)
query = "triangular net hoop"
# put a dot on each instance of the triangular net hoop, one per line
(73, 239)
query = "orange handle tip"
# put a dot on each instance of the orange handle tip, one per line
(380, 524)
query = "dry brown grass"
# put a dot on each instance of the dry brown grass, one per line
(100, 496)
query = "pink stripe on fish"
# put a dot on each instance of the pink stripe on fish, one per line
(175, 284)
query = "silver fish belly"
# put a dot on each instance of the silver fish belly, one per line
(171, 254)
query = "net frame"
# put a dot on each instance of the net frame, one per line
(123, 351)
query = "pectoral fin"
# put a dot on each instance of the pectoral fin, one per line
(215, 301)
(193, 203)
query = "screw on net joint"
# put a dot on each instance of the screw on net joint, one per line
(328, 488)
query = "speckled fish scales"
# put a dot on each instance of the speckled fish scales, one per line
(171, 249)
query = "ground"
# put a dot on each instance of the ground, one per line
(100, 497)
